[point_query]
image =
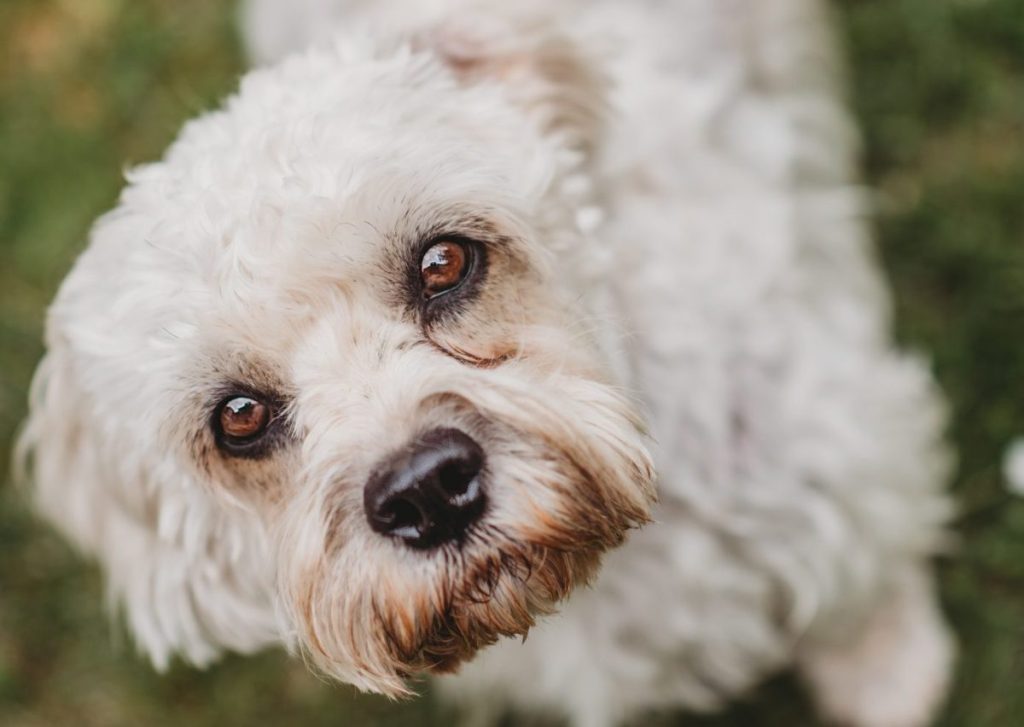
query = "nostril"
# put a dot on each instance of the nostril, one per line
(401, 518)
(457, 478)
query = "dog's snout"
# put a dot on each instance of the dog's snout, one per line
(431, 492)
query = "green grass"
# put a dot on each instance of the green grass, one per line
(89, 86)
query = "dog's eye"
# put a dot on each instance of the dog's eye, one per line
(443, 266)
(242, 418)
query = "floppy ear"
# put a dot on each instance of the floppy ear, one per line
(542, 67)
(188, 574)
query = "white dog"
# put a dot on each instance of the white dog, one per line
(381, 359)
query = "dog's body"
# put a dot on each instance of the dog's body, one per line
(696, 206)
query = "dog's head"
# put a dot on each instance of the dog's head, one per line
(328, 374)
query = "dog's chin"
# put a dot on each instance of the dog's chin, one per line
(435, 615)
(498, 594)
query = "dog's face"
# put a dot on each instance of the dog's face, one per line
(328, 366)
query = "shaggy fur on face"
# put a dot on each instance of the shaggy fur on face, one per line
(649, 212)
(563, 486)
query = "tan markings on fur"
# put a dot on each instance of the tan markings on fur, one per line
(257, 478)
(545, 72)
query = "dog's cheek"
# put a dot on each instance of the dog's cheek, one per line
(263, 482)
(576, 471)
(578, 499)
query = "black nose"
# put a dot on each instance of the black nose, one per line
(429, 493)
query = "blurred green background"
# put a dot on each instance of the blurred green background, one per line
(90, 86)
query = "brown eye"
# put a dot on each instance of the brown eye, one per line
(443, 266)
(242, 418)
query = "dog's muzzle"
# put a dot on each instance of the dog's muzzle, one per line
(429, 493)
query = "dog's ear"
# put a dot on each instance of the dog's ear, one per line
(542, 67)
(175, 563)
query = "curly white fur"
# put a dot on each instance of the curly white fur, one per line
(678, 178)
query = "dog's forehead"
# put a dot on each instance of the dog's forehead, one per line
(324, 122)
(288, 190)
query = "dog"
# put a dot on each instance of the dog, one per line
(459, 314)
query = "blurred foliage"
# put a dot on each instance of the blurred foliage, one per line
(939, 88)
(90, 86)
